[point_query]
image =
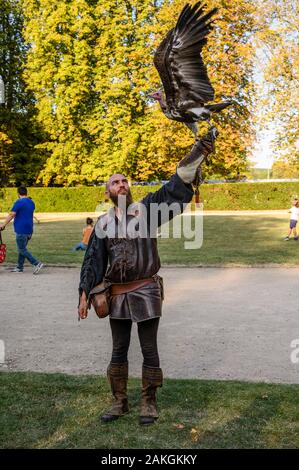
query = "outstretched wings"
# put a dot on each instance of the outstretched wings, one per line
(178, 60)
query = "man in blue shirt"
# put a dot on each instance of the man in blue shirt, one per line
(22, 213)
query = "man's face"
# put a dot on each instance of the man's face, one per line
(118, 186)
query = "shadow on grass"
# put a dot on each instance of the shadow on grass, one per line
(229, 239)
(244, 431)
(236, 240)
(60, 411)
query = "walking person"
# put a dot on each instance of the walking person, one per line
(136, 289)
(22, 215)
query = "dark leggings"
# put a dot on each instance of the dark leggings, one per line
(147, 333)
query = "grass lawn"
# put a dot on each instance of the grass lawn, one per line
(61, 411)
(229, 240)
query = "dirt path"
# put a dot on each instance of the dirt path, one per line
(218, 323)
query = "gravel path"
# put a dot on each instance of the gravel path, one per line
(218, 323)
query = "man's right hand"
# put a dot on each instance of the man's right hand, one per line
(83, 307)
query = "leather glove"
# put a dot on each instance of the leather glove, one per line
(187, 167)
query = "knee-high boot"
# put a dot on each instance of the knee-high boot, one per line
(152, 378)
(118, 377)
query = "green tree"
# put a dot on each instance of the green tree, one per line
(60, 71)
(91, 67)
(20, 162)
(229, 57)
(88, 71)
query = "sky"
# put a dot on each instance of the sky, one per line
(262, 155)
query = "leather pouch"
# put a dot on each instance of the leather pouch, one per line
(99, 298)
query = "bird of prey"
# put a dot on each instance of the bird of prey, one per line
(183, 73)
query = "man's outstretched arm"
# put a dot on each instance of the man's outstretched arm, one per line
(179, 188)
(187, 167)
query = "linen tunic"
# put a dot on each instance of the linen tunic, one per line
(118, 256)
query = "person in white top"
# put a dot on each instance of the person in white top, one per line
(294, 211)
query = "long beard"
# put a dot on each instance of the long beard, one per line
(122, 200)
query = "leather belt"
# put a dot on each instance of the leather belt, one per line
(117, 289)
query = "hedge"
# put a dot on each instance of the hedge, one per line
(229, 196)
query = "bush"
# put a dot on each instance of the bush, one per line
(230, 196)
(249, 196)
(77, 199)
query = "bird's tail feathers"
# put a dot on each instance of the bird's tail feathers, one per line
(215, 108)
(193, 127)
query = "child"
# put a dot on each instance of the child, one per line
(294, 211)
(86, 235)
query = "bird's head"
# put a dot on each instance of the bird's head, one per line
(158, 96)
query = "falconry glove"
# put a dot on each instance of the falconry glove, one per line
(187, 167)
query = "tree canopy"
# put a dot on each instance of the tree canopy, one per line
(278, 93)
(20, 161)
(84, 69)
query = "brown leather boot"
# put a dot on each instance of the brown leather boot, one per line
(118, 377)
(152, 378)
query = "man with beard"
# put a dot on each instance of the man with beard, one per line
(136, 289)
